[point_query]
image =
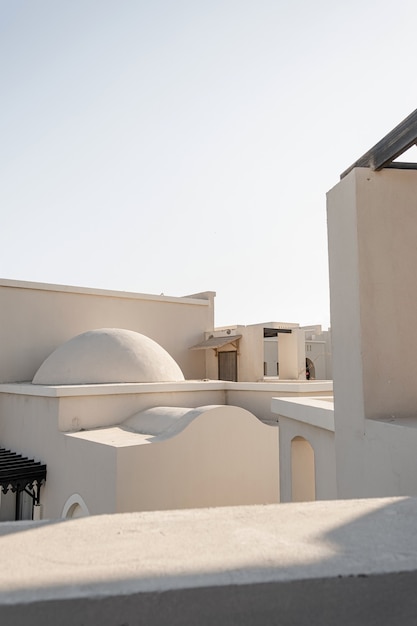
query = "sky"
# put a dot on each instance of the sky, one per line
(178, 146)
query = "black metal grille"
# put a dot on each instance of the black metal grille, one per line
(18, 472)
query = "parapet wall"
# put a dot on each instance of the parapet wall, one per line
(327, 563)
(37, 318)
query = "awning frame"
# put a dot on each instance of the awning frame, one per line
(19, 473)
(215, 343)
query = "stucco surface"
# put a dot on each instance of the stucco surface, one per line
(37, 318)
(372, 230)
(162, 420)
(177, 458)
(159, 551)
(108, 355)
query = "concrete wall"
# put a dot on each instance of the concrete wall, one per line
(95, 406)
(319, 350)
(257, 397)
(316, 352)
(251, 353)
(31, 429)
(390, 457)
(35, 418)
(303, 470)
(345, 562)
(37, 318)
(89, 411)
(254, 351)
(372, 223)
(311, 418)
(322, 442)
(238, 460)
(224, 457)
(292, 360)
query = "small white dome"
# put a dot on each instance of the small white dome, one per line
(108, 355)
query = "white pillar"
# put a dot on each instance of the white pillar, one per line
(37, 512)
(372, 232)
(292, 355)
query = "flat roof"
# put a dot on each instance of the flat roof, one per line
(62, 391)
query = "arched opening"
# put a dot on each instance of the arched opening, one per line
(75, 511)
(310, 369)
(75, 507)
(303, 471)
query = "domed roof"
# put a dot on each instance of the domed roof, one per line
(108, 355)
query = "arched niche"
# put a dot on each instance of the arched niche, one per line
(303, 471)
(75, 507)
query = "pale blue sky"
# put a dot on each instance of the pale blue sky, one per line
(181, 146)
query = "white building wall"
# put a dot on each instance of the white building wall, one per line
(251, 353)
(316, 352)
(372, 253)
(322, 442)
(37, 318)
(292, 363)
(225, 457)
(29, 426)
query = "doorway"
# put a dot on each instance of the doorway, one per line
(227, 362)
(310, 369)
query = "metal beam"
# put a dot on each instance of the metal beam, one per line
(400, 139)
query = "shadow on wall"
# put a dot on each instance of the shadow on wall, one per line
(360, 572)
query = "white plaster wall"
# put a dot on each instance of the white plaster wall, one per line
(346, 562)
(391, 460)
(347, 336)
(106, 410)
(318, 338)
(322, 442)
(254, 350)
(329, 352)
(387, 235)
(372, 221)
(36, 319)
(212, 367)
(292, 355)
(29, 426)
(251, 353)
(316, 351)
(258, 401)
(224, 457)
(303, 471)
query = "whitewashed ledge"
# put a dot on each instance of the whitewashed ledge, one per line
(325, 563)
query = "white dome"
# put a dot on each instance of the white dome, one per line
(108, 355)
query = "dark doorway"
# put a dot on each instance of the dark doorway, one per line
(228, 365)
(310, 369)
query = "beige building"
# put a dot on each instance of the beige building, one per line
(267, 351)
(36, 318)
(97, 416)
(318, 351)
(352, 561)
(366, 441)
